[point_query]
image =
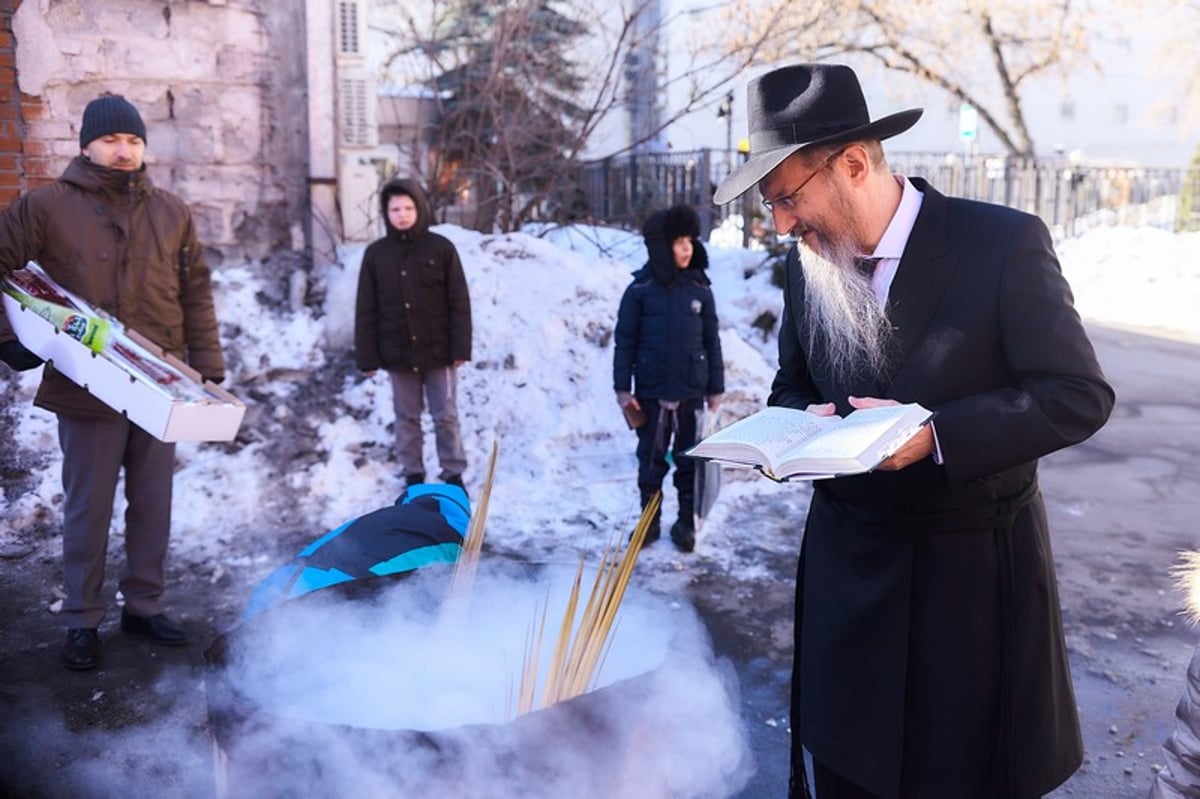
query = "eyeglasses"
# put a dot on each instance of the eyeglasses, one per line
(788, 201)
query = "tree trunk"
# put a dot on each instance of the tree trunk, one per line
(486, 203)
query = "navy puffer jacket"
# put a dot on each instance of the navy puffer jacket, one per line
(667, 341)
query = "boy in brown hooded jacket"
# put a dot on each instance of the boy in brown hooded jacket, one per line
(413, 319)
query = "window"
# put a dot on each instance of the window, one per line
(348, 27)
(353, 119)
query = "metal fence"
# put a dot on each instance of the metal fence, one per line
(622, 190)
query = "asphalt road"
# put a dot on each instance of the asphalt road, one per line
(1122, 506)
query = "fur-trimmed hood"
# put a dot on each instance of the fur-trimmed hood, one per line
(660, 230)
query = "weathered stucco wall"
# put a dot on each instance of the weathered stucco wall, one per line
(220, 85)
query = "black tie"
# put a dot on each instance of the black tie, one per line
(866, 266)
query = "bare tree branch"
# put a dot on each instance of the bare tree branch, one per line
(518, 119)
(982, 52)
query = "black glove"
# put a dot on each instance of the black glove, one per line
(15, 354)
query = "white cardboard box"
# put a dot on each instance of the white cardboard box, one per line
(215, 417)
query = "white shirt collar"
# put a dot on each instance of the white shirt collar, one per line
(895, 238)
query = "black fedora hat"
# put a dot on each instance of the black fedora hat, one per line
(802, 106)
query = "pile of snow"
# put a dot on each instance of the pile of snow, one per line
(1144, 278)
(316, 446)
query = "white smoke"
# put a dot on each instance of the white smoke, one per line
(390, 696)
(170, 755)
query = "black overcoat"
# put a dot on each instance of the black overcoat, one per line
(929, 643)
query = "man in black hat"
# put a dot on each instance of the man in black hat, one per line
(104, 232)
(930, 658)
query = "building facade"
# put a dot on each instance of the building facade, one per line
(215, 81)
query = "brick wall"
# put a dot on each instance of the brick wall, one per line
(12, 126)
(23, 163)
(220, 86)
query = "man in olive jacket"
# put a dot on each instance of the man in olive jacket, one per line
(413, 319)
(930, 658)
(104, 232)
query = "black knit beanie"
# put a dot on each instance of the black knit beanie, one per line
(111, 113)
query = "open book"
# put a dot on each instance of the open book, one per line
(789, 444)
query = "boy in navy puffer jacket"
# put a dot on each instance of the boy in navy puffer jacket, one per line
(667, 360)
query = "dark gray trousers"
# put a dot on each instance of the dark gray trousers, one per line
(410, 392)
(94, 452)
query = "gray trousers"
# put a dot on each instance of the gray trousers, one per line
(410, 392)
(94, 452)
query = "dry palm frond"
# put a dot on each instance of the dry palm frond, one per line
(468, 560)
(574, 665)
(592, 612)
(509, 713)
(533, 648)
(1187, 579)
(558, 658)
(593, 640)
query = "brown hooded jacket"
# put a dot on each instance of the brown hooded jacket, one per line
(126, 247)
(413, 311)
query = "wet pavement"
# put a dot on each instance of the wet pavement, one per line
(1121, 506)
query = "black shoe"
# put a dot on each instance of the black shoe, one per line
(454, 480)
(82, 648)
(684, 536)
(157, 628)
(414, 479)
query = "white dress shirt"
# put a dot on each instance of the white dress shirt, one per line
(895, 239)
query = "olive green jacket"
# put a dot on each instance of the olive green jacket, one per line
(128, 248)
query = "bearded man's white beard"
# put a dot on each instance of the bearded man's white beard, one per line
(842, 313)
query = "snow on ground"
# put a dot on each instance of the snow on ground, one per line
(316, 448)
